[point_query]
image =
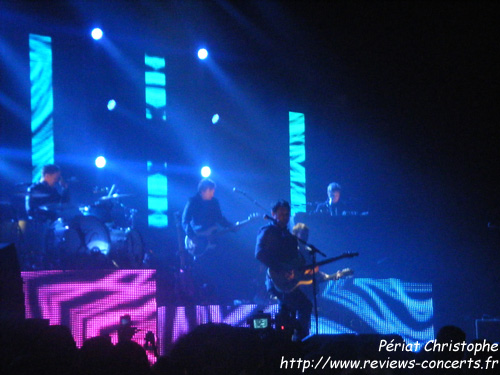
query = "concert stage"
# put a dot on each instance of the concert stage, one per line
(91, 303)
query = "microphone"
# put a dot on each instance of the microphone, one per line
(267, 217)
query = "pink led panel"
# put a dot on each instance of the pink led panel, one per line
(90, 302)
(175, 321)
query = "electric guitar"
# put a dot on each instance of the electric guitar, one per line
(286, 281)
(207, 239)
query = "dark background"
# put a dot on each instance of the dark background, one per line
(400, 101)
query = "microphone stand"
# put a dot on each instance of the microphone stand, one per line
(313, 250)
(235, 190)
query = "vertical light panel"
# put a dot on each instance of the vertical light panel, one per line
(156, 104)
(42, 103)
(297, 130)
(156, 94)
(157, 195)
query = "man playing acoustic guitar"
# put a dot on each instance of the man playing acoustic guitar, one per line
(277, 248)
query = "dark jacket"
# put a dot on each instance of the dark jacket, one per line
(200, 215)
(277, 248)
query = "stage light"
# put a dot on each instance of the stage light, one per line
(100, 162)
(97, 33)
(206, 171)
(215, 118)
(111, 104)
(202, 54)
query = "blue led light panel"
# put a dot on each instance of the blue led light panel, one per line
(297, 130)
(156, 94)
(157, 195)
(42, 103)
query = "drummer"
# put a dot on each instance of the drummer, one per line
(43, 196)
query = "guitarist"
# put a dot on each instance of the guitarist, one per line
(301, 231)
(278, 250)
(202, 211)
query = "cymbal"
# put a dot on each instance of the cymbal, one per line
(58, 207)
(33, 195)
(115, 196)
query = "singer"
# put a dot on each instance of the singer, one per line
(278, 250)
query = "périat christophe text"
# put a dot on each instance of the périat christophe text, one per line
(393, 347)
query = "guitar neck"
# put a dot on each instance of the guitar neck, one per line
(213, 231)
(330, 260)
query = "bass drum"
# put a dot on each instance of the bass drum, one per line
(127, 248)
(83, 243)
(94, 235)
(87, 242)
(62, 239)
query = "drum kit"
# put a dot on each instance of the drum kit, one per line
(99, 235)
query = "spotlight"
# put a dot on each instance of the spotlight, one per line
(215, 118)
(100, 162)
(96, 33)
(206, 171)
(111, 104)
(202, 54)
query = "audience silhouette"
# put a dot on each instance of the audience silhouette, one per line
(34, 347)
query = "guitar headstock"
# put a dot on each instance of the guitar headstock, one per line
(350, 254)
(250, 217)
(344, 273)
(253, 216)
